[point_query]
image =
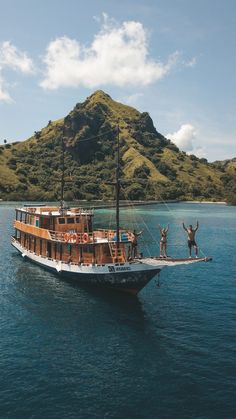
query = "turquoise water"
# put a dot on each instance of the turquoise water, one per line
(69, 352)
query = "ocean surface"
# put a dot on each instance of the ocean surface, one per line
(170, 352)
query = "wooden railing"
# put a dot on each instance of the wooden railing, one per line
(40, 210)
(98, 236)
(33, 230)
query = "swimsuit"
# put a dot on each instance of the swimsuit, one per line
(163, 238)
(191, 243)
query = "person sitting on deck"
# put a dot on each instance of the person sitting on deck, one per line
(135, 243)
(163, 241)
(191, 238)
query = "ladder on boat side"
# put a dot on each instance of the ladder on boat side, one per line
(116, 253)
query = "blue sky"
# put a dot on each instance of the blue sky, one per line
(173, 58)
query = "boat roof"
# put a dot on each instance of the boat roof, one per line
(55, 211)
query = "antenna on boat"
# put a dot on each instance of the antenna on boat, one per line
(118, 189)
(62, 203)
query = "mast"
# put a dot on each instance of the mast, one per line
(62, 204)
(118, 189)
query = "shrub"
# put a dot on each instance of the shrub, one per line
(167, 170)
(142, 172)
(135, 192)
(231, 199)
(12, 163)
(192, 157)
(33, 180)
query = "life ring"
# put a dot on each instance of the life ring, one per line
(66, 237)
(73, 238)
(85, 238)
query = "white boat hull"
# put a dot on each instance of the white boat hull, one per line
(130, 276)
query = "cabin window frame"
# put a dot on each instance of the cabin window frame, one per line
(60, 220)
(68, 220)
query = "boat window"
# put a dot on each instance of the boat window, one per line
(61, 220)
(70, 220)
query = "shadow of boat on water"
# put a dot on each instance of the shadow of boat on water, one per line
(35, 282)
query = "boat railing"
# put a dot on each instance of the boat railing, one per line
(42, 210)
(72, 236)
(98, 236)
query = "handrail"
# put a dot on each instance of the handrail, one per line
(90, 238)
(37, 211)
(71, 237)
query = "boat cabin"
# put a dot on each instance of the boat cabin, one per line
(67, 235)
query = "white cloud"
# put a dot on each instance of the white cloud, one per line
(13, 58)
(185, 139)
(118, 55)
(4, 95)
(199, 152)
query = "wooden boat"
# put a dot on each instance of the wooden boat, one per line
(67, 244)
(63, 240)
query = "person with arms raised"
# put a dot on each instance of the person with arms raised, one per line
(191, 238)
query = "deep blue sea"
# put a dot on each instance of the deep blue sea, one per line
(69, 352)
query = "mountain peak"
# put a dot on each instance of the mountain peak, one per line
(99, 95)
(115, 109)
(151, 165)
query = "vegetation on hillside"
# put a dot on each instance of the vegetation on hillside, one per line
(152, 167)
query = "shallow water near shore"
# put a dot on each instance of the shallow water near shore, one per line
(71, 352)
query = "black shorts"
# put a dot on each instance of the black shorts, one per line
(191, 243)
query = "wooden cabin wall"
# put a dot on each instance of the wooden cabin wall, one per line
(102, 254)
(82, 224)
(66, 252)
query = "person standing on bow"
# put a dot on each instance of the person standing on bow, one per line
(163, 241)
(191, 238)
(134, 243)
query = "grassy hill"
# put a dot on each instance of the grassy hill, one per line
(152, 167)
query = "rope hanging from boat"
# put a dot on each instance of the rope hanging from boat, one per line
(172, 214)
(136, 224)
(95, 137)
(155, 241)
(153, 236)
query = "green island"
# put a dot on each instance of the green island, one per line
(152, 167)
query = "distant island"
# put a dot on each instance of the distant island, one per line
(152, 167)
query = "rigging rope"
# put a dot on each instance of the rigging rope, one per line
(96, 136)
(136, 224)
(130, 202)
(172, 213)
(150, 231)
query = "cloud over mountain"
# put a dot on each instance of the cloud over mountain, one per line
(185, 139)
(118, 55)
